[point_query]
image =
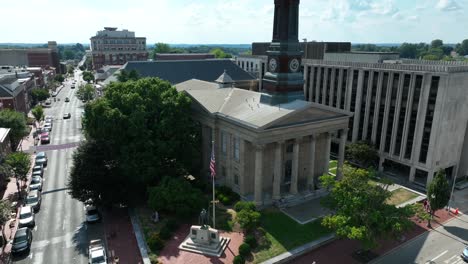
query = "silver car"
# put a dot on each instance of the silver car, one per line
(41, 159)
(38, 170)
(36, 183)
(92, 214)
(34, 200)
(26, 217)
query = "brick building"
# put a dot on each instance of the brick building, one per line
(115, 47)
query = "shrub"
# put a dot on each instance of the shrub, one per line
(239, 206)
(225, 200)
(165, 233)
(250, 240)
(155, 243)
(154, 259)
(238, 260)
(244, 249)
(172, 225)
(226, 195)
(248, 219)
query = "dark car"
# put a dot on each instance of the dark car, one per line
(45, 138)
(67, 116)
(22, 241)
(67, 100)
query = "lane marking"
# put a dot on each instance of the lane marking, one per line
(438, 256)
(448, 260)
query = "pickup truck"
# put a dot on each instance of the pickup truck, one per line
(97, 252)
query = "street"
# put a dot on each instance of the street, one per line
(61, 234)
(442, 245)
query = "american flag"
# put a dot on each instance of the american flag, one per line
(213, 163)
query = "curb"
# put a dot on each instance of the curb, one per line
(139, 236)
(299, 251)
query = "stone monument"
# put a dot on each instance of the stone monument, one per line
(203, 239)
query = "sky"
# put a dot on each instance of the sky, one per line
(234, 21)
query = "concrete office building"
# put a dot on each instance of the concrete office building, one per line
(116, 47)
(256, 63)
(33, 57)
(415, 112)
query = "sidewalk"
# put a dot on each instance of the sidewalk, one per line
(346, 247)
(120, 238)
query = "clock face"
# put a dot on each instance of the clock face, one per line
(294, 65)
(272, 64)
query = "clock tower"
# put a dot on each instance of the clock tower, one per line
(284, 80)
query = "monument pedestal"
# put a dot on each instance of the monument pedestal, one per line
(204, 240)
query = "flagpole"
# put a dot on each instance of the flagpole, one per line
(214, 204)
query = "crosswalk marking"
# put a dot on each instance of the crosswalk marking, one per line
(448, 260)
(438, 256)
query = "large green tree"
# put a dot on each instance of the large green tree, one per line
(16, 122)
(220, 54)
(361, 211)
(59, 78)
(20, 163)
(438, 193)
(88, 76)
(147, 127)
(38, 113)
(39, 95)
(123, 75)
(85, 92)
(363, 153)
(95, 175)
(5, 211)
(176, 195)
(462, 48)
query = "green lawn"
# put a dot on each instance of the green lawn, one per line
(284, 234)
(400, 196)
(333, 164)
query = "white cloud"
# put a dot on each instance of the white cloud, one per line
(448, 5)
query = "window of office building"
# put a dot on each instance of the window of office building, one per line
(319, 98)
(287, 171)
(362, 108)
(414, 114)
(343, 88)
(353, 102)
(370, 123)
(429, 118)
(314, 83)
(224, 142)
(391, 112)
(236, 145)
(236, 179)
(223, 171)
(420, 177)
(401, 118)
(307, 90)
(328, 86)
(335, 88)
(383, 97)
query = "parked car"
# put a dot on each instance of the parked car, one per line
(49, 119)
(45, 129)
(41, 159)
(97, 252)
(47, 126)
(38, 170)
(34, 200)
(92, 214)
(66, 116)
(48, 102)
(464, 255)
(36, 183)
(45, 138)
(22, 241)
(26, 217)
(67, 100)
(73, 86)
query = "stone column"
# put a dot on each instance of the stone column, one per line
(341, 153)
(295, 167)
(258, 193)
(310, 177)
(412, 174)
(278, 170)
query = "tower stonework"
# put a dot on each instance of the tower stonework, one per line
(283, 80)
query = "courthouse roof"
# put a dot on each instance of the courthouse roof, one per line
(180, 71)
(246, 107)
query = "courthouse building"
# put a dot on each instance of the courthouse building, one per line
(415, 112)
(271, 145)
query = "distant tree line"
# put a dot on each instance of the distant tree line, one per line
(219, 51)
(436, 50)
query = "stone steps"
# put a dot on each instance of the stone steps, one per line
(293, 200)
(210, 250)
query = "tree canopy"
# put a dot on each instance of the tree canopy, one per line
(438, 191)
(16, 121)
(220, 54)
(38, 112)
(39, 95)
(362, 153)
(147, 130)
(124, 75)
(176, 195)
(88, 76)
(361, 210)
(85, 92)
(59, 78)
